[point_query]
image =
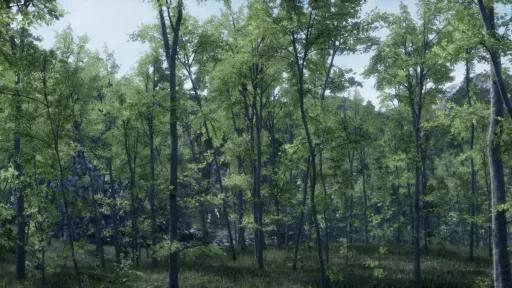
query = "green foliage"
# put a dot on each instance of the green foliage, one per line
(124, 275)
(203, 253)
(239, 76)
(7, 233)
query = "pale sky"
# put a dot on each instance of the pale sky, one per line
(109, 23)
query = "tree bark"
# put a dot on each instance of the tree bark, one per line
(362, 158)
(326, 206)
(300, 224)
(131, 160)
(502, 275)
(152, 179)
(170, 56)
(485, 162)
(18, 166)
(20, 197)
(240, 195)
(55, 134)
(488, 18)
(114, 214)
(499, 96)
(152, 188)
(98, 227)
(211, 147)
(299, 65)
(257, 108)
(472, 207)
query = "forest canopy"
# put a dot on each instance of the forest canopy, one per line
(243, 151)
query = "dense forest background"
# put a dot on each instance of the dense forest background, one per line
(240, 153)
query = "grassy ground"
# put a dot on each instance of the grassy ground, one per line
(370, 266)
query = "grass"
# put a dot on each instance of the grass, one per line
(364, 266)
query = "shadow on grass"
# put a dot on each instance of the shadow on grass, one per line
(366, 266)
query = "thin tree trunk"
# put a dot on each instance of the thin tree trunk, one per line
(18, 166)
(152, 189)
(152, 179)
(114, 215)
(365, 195)
(257, 184)
(43, 267)
(320, 152)
(326, 207)
(472, 167)
(211, 147)
(21, 222)
(98, 227)
(417, 253)
(426, 204)
(131, 161)
(254, 167)
(395, 187)
(56, 149)
(273, 166)
(250, 111)
(239, 195)
(489, 203)
(300, 224)
(170, 55)
(415, 106)
(69, 221)
(348, 203)
(411, 212)
(240, 212)
(324, 279)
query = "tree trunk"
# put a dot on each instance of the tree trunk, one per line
(152, 189)
(250, 111)
(499, 96)
(170, 56)
(43, 267)
(417, 236)
(211, 147)
(152, 179)
(502, 275)
(415, 105)
(489, 203)
(18, 166)
(98, 227)
(395, 187)
(240, 211)
(488, 18)
(273, 165)
(472, 167)
(326, 206)
(300, 224)
(21, 222)
(239, 195)
(115, 218)
(257, 192)
(324, 279)
(131, 161)
(56, 149)
(362, 158)
(348, 203)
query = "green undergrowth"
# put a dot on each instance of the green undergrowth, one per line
(210, 267)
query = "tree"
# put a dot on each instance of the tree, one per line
(171, 51)
(406, 63)
(499, 97)
(15, 20)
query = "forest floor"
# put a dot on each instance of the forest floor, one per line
(365, 266)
